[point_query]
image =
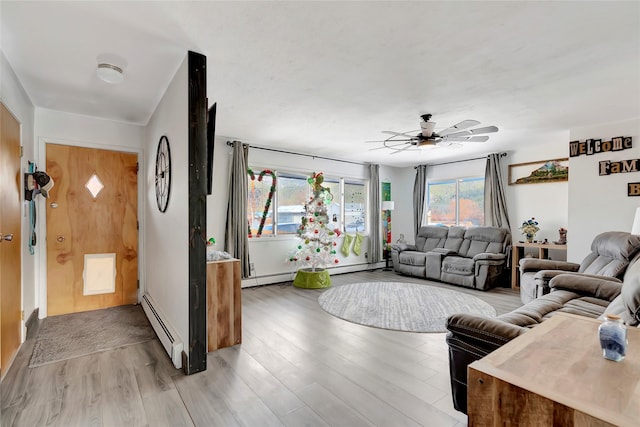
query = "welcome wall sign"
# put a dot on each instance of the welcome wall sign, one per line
(608, 167)
(595, 146)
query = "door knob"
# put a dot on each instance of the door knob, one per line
(7, 237)
(60, 239)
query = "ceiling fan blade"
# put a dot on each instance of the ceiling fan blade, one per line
(456, 138)
(401, 149)
(462, 125)
(487, 129)
(387, 146)
(406, 134)
(457, 134)
(397, 140)
(482, 138)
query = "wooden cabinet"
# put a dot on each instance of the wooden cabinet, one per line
(224, 304)
(555, 375)
(518, 253)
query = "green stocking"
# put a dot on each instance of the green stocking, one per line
(345, 244)
(357, 246)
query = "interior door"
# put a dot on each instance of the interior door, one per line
(92, 229)
(10, 255)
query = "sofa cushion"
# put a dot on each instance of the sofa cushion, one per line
(610, 253)
(455, 238)
(458, 265)
(479, 240)
(627, 304)
(534, 312)
(412, 258)
(430, 237)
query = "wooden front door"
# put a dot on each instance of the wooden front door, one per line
(10, 274)
(82, 225)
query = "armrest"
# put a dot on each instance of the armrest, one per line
(399, 247)
(483, 332)
(443, 251)
(535, 264)
(490, 257)
(600, 287)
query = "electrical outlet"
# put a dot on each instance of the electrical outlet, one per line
(252, 267)
(366, 255)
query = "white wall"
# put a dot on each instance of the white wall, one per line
(77, 129)
(167, 234)
(14, 97)
(269, 254)
(600, 203)
(548, 202)
(401, 180)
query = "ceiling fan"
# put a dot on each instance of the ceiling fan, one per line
(461, 132)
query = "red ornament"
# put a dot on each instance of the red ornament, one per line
(335, 244)
(336, 261)
(319, 203)
(310, 219)
(315, 231)
(308, 258)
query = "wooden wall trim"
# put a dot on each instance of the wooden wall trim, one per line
(197, 345)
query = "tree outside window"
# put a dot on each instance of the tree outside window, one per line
(456, 202)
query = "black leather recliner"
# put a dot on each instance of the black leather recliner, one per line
(610, 254)
(472, 337)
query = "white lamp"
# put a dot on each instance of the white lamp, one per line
(388, 206)
(635, 229)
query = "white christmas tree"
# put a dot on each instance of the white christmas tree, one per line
(316, 247)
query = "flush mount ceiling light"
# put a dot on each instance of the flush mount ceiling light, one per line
(110, 73)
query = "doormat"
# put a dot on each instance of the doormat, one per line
(78, 334)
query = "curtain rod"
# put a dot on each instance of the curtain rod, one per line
(229, 143)
(460, 161)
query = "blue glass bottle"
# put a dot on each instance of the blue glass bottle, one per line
(613, 338)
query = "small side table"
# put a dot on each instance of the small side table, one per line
(518, 253)
(387, 261)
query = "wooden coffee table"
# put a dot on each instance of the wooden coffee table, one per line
(555, 375)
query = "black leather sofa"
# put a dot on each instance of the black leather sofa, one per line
(472, 337)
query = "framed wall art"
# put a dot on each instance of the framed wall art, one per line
(539, 172)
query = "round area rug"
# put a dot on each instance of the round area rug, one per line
(409, 307)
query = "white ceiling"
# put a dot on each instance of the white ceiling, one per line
(323, 77)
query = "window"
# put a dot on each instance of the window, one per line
(456, 202)
(257, 204)
(354, 207)
(292, 194)
(347, 211)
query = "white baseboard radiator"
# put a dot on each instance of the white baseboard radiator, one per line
(167, 335)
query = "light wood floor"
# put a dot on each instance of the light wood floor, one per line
(296, 366)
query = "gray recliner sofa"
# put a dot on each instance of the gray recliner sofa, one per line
(610, 255)
(474, 257)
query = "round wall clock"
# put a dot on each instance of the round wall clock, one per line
(163, 173)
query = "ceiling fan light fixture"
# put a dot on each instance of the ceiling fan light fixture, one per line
(110, 73)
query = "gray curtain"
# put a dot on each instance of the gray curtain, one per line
(236, 240)
(419, 193)
(495, 204)
(375, 238)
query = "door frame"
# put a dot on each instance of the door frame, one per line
(42, 223)
(21, 231)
